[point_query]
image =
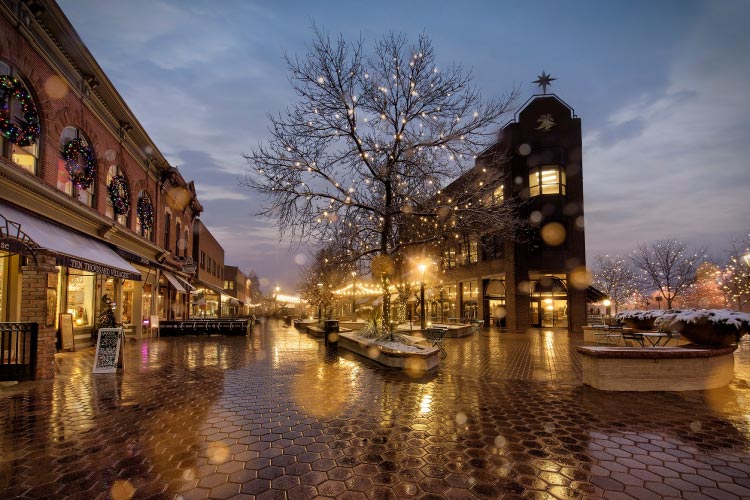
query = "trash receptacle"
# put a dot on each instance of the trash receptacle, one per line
(331, 331)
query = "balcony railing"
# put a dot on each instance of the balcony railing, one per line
(18, 346)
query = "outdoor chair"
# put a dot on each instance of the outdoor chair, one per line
(436, 336)
(630, 337)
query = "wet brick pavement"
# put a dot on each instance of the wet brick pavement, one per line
(273, 416)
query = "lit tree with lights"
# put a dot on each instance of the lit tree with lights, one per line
(668, 267)
(366, 150)
(735, 279)
(615, 277)
(326, 272)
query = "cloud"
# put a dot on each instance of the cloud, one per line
(675, 164)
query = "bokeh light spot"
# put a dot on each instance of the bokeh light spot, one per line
(55, 87)
(122, 490)
(553, 234)
(300, 259)
(580, 278)
(461, 418)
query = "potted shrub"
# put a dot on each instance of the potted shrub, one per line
(709, 327)
(639, 319)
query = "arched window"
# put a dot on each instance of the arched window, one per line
(118, 199)
(76, 166)
(144, 222)
(19, 121)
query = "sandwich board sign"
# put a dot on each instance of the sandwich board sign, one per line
(108, 357)
(66, 331)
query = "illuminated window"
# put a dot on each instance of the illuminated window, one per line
(469, 252)
(449, 258)
(549, 179)
(25, 156)
(64, 183)
(81, 299)
(498, 195)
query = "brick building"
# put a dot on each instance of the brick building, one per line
(209, 297)
(539, 281)
(89, 207)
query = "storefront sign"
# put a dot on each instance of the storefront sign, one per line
(108, 357)
(13, 245)
(133, 257)
(93, 267)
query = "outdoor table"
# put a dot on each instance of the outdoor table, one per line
(657, 339)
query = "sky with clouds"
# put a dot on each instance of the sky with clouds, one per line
(661, 88)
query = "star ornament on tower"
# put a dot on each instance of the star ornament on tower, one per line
(543, 80)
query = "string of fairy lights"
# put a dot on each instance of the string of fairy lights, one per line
(27, 132)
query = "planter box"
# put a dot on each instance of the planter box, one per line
(688, 368)
(424, 359)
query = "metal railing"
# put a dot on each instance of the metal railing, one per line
(18, 346)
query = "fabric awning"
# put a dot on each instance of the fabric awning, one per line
(174, 281)
(187, 286)
(213, 288)
(73, 250)
(595, 295)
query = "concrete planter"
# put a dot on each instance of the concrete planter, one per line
(423, 359)
(687, 368)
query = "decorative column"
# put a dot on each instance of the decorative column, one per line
(38, 277)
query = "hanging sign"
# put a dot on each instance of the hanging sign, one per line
(108, 357)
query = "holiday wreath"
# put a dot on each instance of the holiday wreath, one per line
(73, 152)
(119, 194)
(28, 132)
(145, 213)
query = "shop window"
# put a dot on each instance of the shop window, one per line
(126, 310)
(117, 195)
(203, 260)
(549, 179)
(144, 222)
(146, 301)
(19, 121)
(79, 167)
(81, 299)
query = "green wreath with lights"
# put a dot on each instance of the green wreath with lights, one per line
(145, 213)
(79, 162)
(119, 194)
(28, 131)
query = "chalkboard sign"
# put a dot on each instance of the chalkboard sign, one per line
(66, 331)
(108, 355)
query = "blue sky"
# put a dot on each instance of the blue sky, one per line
(661, 88)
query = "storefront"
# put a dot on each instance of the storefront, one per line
(549, 302)
(206, 301)
(86, 274)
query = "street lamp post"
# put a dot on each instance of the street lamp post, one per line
(354, 293)
(607, 303)
(422, 324)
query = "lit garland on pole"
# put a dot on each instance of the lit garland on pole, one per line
(28, 132)
(119, 194)
(145, 213)
(73, 152)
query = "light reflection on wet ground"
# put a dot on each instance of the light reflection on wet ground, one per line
(274, 415)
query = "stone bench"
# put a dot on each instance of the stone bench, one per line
(686, 368)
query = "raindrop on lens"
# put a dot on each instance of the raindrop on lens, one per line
(461, 418)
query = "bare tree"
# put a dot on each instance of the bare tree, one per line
(365, 152)
(327, 271)
(615, 277)
(668, 267)
(735, 280)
